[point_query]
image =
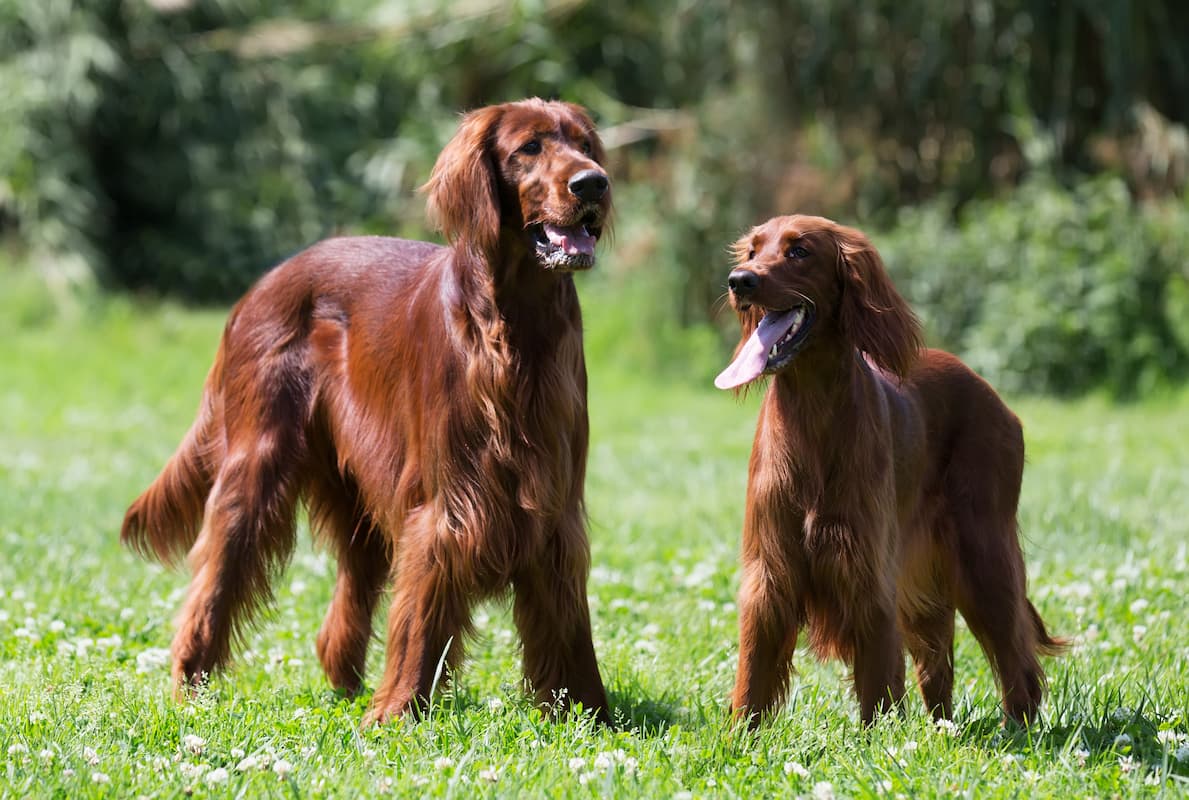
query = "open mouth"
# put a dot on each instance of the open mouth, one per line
(771, 347)
(799, 320)
(567, 247)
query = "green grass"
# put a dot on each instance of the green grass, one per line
(90, 410)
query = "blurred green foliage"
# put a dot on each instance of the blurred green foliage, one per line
(183, 146)
(1057, 290)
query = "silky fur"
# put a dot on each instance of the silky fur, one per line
(428, 404)
(882, 492)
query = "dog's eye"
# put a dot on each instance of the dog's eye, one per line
(751, 254)
(531, 148)
(798, 252)
(587, 149)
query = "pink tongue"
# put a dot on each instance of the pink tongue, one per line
(572, 241)
(749, 364)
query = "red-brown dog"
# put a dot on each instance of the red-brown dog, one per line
(883, 485)
(428, 404)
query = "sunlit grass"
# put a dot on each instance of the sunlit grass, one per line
(88, 413)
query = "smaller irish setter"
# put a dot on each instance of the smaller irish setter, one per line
(882, 489)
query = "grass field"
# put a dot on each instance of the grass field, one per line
(89, 412)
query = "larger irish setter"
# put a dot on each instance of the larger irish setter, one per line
(428, 404)
(882, 489)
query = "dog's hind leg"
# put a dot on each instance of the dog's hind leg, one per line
(248, 528)
(363, 568)
(930, 639)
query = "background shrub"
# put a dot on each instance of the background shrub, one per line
(181, 147)
(1055, 290)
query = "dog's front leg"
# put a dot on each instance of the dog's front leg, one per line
(429, 616)
(771, 611)
(553, 616)
(879, 656)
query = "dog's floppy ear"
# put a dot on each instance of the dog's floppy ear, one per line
(464, 200)
(872, 312)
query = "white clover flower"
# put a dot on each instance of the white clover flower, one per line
(127, 613)
(492, 774)
(218, 775)
(152, 659)
(1122, 741)
(282, 768)
(193, 744)
(57, 626)
(1031, 776)
(300, 713)
(1138, 632)
(793, 768)
(99, 777)
(946, 727)
(1121, 714)
(1182, 754)
(910, 746)
(1167, 737)
(248, 763)
(602, 761)
(237, 752)
(46, 755)
(443, 763)
(630, 765)
(90, 756)
(823, 790)
(1127, 764)
(494, 704)
(1080, 755)
(1138, 606)
(17, 749)
(297, 587)
(1010, 759)
(576, 763)
(885, 787)
(586, 778)
(191, 771)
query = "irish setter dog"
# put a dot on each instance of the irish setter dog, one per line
(428, 405)
(882, 488)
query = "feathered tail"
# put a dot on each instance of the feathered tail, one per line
(164, 521)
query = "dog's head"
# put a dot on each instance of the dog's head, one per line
(802, 280)
(532, 169)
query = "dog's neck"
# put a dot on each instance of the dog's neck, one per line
(519, 306)
(818, 390)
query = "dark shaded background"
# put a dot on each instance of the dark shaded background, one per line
(1022, 164)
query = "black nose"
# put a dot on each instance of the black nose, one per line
(589, 185)
(743, 281)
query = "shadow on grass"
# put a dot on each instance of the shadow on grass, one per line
(1133, 736)
(645, 715)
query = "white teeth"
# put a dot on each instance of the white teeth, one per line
(798, 318)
